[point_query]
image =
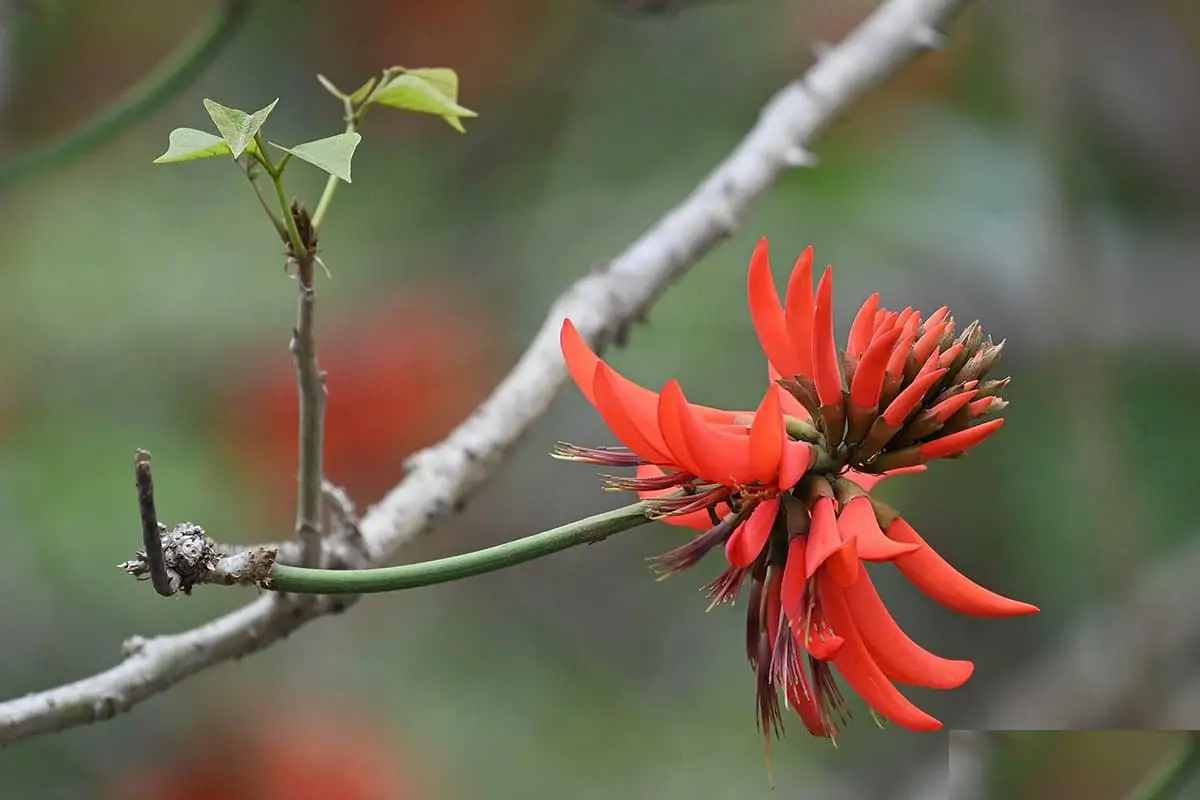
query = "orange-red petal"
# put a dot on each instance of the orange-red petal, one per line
(797, 458)
(823, 537)
(749, 538)
(581, 363)
(947, 408)
(792, 592)
(798, 311)
(960, 441)
(899, 357)
(766, 312)
(868, 481)
(857, 521)
(626, 418)
(868, 375)
(767, 435)
(900, 658)
(907, 401)
(934, 576)
(924, 346)
(672, 427)
(862, 327)
(827, 369)
(721, 456)
(859, 669)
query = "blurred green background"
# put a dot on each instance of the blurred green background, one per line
(1041, 174)
(1048, 765)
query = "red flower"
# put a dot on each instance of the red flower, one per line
(785, 489)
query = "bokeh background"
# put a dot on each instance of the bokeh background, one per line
(1041, 174)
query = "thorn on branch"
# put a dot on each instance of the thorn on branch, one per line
(151, 541)
(800, 157)
(928, 37)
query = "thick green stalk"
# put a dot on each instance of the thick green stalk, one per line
(1175, 776)
(410, 576)
(153, 92)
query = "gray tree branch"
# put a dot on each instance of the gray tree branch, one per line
(603, 305)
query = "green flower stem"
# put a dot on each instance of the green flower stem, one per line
(164, 83)
(300, 580)
(1183, 768)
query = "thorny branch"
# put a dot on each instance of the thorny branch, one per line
(603, 305)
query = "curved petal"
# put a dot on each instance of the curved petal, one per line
(671, 425)
(751, 536)
(637, 433)
(899, 357)
(860, 670)
(722, 457)
(933, 330)
(818, 639)
(862, 327)
(961, 441)
(798, 311)
(905, 403)
(697, 520)
(581, 363)
(827, 547)
(827, 368)
(581, 360)
(867, 383)
(767, 435)
(900, 658)
(934, 576)
(797, 458)
(857, 520)
(868, 481)
(794, 580)
(766, 312)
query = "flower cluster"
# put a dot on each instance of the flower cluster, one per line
(785, 489)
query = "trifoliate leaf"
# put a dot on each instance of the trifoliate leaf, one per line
(189, 144)
(237, 127)
(429, 91)
(332, 154)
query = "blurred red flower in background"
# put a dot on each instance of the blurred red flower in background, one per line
(270, 754)
(399, 376)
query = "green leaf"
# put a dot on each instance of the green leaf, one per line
(189, 144)
(237, 127)
(332, 154)
(430, 91)
(329, 87)
(361, 92)
(444, 79)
